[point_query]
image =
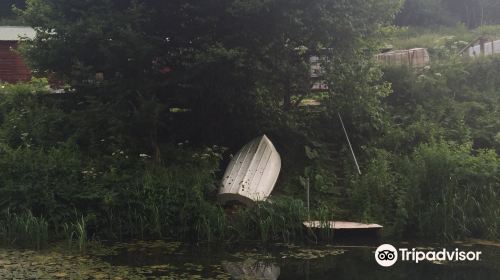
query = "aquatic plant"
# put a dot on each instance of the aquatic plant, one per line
(24, 230)
(77, 232)
(81, 234)
(279, 219)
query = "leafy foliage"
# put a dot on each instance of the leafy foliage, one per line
(133, 154)
(23, 230)
(437, 174)
(438, 191)
(472, 13)
(6, 8)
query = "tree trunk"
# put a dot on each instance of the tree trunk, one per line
(287, 96)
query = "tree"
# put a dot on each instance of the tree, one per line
(6, 7)
(225, 60)
(425, 13)
(472, 13)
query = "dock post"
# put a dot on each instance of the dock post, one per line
(307, 191)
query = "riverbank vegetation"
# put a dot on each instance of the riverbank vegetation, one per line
(139, 151)
(442, 42)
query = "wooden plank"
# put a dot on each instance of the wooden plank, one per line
(340, 225)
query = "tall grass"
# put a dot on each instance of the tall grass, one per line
(23, 230)
(441, 42)
(81, 234)
(76, 232)
(277, 220)
(441, 191)
(213, 224)
(411, 37)
(324, 215)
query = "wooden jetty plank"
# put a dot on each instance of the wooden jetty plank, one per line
(340, 225)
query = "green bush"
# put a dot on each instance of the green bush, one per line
(429, 169)
(435, 173)
(439, 191)
(453, 192)
(31, 116)
(456, 101)
(47, 181)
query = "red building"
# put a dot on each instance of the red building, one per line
(12, 66)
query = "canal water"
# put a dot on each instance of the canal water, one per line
(173, 260)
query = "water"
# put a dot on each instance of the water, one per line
(290, 262)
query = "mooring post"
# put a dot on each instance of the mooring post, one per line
(482, 42)
(307, 191)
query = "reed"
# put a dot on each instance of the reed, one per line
(81, 234)
(212, 225)
(23, 230)
(277, 220)
(324, 215)
(69, 234)
(77, 232)
(156, 219)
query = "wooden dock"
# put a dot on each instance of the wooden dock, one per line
(340, 225)
(343, 231)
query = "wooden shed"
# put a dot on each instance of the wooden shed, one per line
(481, 46)
(12, 66)
(417, 57)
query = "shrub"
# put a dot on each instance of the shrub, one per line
(439, 191)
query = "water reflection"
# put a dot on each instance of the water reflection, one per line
(359, 263)
(252, 269)
(297, 262)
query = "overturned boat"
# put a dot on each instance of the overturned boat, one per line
(252, 173)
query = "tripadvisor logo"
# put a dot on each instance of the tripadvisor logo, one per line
(387, 255)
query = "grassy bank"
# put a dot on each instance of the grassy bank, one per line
(442, 42)
(431, 171)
